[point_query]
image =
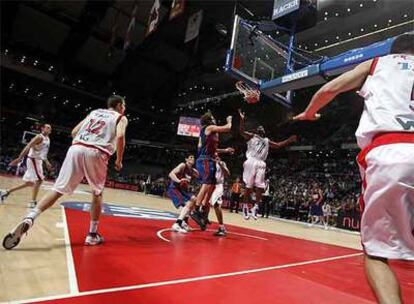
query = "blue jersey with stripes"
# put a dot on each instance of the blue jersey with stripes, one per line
(207, 144)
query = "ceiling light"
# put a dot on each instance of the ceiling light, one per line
(336, 14)
(390, 21)
(326, 13)
(405, 16)
(348, 9)
(326, 18)
(375, 25)
(362, 29)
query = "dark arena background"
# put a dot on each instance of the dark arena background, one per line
(173, 61)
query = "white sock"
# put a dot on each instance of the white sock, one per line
(93, 226)
(34, 213)
(184, 212)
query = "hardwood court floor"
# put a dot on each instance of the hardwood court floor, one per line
(143, 255)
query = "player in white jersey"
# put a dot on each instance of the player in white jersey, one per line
(36, 151)
(216, 199)
(96, 138)
(254, 168)
(386, 136)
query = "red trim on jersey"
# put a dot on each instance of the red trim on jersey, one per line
(373, 66)
(92, 146)
(382, 139)
(206, 167)
(35, 167)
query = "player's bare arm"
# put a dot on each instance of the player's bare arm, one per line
(281, 144)
(228, 150)
(120, 142)
(348, 81)
(195, 172)
(35, 141)
(224, 168)
(220, 129)
(48, 164)
(175, 171)
(246, 135)
(76, 129)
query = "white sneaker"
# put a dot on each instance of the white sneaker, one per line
(32, 204)
(12, 239)
(186, 227)
(93, 239)
(178, 228)
(326, 227)
(246, 217)
(254, 216)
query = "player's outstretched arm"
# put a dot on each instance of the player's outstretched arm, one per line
(246, 135)
(220, 129)
(35, 141)
(228, 150)
(348, 81)
(280, 144)
(120, 142)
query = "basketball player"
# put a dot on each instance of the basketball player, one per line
(178, 192)
(316, 211)
(386, 136)
(205, 164)
(217, 197)
(95, 139)
(254, 168)
(36, 151)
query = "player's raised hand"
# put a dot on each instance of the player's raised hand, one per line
(15, 162)
(229, 119)
(307, 116)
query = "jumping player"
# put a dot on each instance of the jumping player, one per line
(254, 168)
(96, 138)
(386, 136)
(217, 197)
(178, 192)
(36, 151)
(205, 164)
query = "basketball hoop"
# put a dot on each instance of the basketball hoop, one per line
(251, 95)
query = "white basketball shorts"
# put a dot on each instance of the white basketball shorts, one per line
(217, 196)
(80, 162)
(387, 201)
(254, 171)
(34, 171)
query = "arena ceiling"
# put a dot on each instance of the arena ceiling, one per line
(86, 38)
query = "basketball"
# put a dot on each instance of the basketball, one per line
(184, 184)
